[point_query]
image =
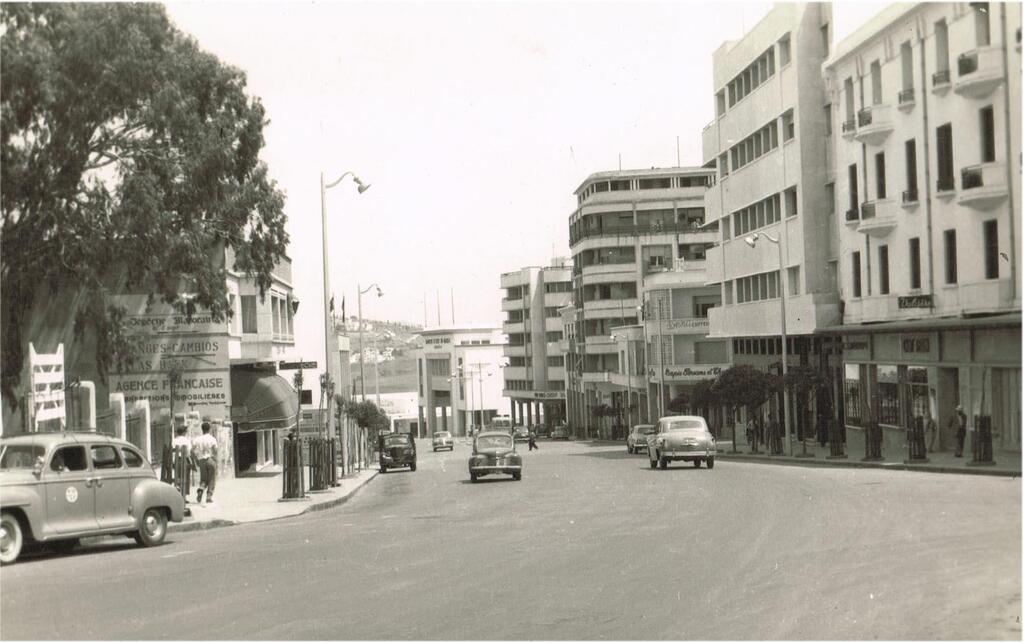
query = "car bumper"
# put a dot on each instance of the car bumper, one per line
(482, 470)
(447, 445)
(637, 447)
(391, 462)
(687, 454)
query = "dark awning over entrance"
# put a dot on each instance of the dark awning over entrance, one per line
(262, 401)
(921, 325)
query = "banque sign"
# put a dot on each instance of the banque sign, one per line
(690, 373)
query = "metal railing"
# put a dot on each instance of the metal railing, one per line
(906, 96)
(967, 63)
(910, 196)
(649, 228)
(945, 183)
(849, 126)
(940, 77)
(972, 177)
(852, 215)
(864, 117)
(867, 210)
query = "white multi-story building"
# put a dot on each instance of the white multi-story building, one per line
(628, 224)
(772, 199)
(535, 371)
(926, 107)
(459, 377)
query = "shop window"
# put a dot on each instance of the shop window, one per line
(854, 394)
(249, 314)
(887, 386)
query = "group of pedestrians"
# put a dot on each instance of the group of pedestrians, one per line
(201, 454)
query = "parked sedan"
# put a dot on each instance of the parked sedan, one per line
(56, 488)
(637, 438)
(521, 434)
(681, 437)
(495, 452)
(560, 432)
(443, 440)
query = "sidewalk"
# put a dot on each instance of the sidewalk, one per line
(257, 497)
(1006, 464)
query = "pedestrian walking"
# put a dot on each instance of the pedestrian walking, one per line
(959, 423)
(204, 450)
(533, 441)
(930, 429)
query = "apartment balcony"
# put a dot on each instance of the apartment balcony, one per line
(991, 295)
(563, 346)
(557, 299)
(909, 198)
(601, 345)
(983, 186)
(852, 217)
(553, 324)
(515, 350)
(849, 128)
(591, 377)
(906, 100)
(878, 308)
(678, 326)
(979, 72)
(556, 373)
(877, 218)
(804, 314)
(515, 373)
(515, 278)
(513, 327)
(874, 124)
(632, 230)
(511, 304)
(553, 348)
(610, 308)
(940, 82)
(713, 265)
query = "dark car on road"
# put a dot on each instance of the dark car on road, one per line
(495, 452)
(521, 434)
(396, 450)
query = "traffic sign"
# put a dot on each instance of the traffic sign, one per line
(291, 366)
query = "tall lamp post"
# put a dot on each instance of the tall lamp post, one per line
(629, 382)
(328, 318)
(362, 351)
(751, 241)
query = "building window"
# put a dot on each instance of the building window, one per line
(788, 126)
(883, 270)
(854, 398)
(981, 23)
(907, 64)
(764, 212)
(988, 135)
(949, 241)
(944, 152)
(851, 111)
(556, 360)
(915, 263)
(830, 197)
(756, 145)
(709, 352)
(876, 83)
(236, 317)
(553, 335)
(887, 384)
(880, 174)
(910, 148)
(828, 120)
(791, 202)
(248, 313)
(825, 40)
(852, 178)
(855, 273)
(757, 287)
(990, 237)
(941, 51)
(793, 280)
(784, 51)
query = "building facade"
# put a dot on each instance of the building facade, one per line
(627, 225)
(926, 104)
(773, 198)
(535, 372)
(459, 378)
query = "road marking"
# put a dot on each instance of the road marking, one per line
(180, 553)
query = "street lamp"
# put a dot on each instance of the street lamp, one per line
(643, 325)
(751, 241)
(328, 321)
(629, 381)
(362, 351)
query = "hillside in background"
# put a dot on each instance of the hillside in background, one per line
(392, 346)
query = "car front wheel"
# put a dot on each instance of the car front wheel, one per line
(711, 463)
(472, 477)
(654, 463)
(629, 449)
(412, 467)
(12, 539)
(153, 529)
(696, 463)
(517, 476)
(663, 462)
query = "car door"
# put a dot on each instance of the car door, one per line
(70, 500)
(111, 483)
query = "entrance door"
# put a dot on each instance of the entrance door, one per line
(70, 501)
(948, 397)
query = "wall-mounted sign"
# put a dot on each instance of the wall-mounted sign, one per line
(693, 373)
(916, 344)
(695, 323)
(437, 340)
(915, 301)
(292, 366)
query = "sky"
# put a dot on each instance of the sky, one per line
(473, 122)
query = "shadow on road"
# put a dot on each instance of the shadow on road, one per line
(489, 480)
(618, 454)
(45, 552)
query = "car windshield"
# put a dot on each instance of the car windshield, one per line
(397, 440)
(644, 430)
(681, 425)
(20, 456)
(442, 435)
(493, 442)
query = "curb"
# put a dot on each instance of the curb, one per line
(856, 464)
(217, 523)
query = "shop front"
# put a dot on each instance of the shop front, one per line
(264, 409)
(915, 373)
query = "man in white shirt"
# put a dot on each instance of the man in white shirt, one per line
(204, 450)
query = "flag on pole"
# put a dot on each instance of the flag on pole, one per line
(332, 303)
(343, 307)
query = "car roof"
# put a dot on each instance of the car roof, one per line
(63, 437)
(643, 426)
(681, 417)
(503, 434)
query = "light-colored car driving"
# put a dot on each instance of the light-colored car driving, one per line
(681, 437)
(443, 440)
(636, 441)
(56, 488)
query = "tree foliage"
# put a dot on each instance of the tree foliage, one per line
(744, 385)
(367, 415)
(702, 395)
(129, 159)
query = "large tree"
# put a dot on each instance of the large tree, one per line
(743, 385)
(128, 159)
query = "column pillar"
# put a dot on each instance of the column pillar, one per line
(512, 408)
(420, 428)
(444, 418)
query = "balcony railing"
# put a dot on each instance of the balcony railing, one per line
(971, 177)
(650, 228)
(967, 63)
(946, 183)
(864, 117)
(906, 96)
(910, 196)
(849, 126)
(852, 215)
(940, 78)
(867, 210)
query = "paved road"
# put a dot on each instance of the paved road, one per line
(591, 544)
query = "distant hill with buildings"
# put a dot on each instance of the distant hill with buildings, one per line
(392, 346)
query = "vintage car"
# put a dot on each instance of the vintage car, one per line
(560, 432)
(637, 438)
(521, 434)
(56, 488)
(681, 437)
(443, 440)
(495, 452)
(396, 450)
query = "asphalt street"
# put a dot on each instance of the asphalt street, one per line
(591, 544)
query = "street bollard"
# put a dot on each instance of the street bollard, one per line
(319, 474)
(291, 476)
(872, 442)
(916, 451)
(167, 465)
(835, 441)
(182, 468)
(981, 442)
(334, 464)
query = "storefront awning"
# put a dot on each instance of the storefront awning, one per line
(922, 325)
(262, 401)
